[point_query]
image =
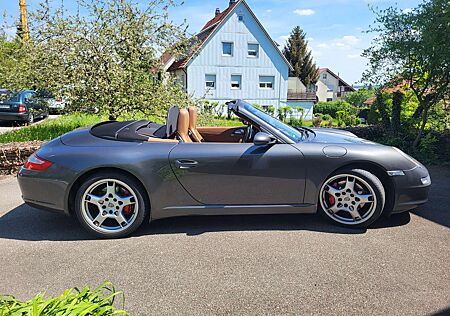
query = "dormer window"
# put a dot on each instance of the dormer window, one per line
(227, 49)
(324, 76)
(240, 18)
(252, 50)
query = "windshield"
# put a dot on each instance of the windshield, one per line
(292, 133)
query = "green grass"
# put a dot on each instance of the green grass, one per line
(96, 302)
(50, 128)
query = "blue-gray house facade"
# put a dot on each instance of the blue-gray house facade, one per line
(235, 59)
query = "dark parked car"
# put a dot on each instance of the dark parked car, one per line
(115, 175)
(26, 105)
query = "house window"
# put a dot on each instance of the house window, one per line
(240, 18)
(227, 49)
(329, 99)
(252, 50)
(236, 81)
(210, 81)
(266, 82)
(324, 76)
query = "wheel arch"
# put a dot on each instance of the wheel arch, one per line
(75, 185)
(381, 174)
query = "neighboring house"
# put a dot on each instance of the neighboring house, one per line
(298, 96)
(330, 87)
(234, 59)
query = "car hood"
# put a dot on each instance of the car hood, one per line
(336, 136)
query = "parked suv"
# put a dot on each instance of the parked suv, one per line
(26, 105)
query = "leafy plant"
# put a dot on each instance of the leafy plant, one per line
(96, 302)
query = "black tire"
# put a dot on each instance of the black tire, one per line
(46, 114)
(375, 184)
(30, 119)
(143, 209)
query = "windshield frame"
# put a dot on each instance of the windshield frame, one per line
(289, 132)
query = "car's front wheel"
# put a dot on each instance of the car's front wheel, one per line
(111, 205)
(352, 197)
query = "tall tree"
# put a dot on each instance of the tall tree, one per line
(297, 53)
(106, 55)
(413, 47)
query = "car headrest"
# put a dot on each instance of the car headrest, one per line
(192, 117)
(172, 121)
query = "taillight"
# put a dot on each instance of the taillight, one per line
(22, 108)
(35, 162)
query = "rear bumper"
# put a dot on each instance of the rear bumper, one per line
(41, 192)
(12, 116)
(411, 189)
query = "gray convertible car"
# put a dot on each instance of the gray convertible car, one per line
(115, 175)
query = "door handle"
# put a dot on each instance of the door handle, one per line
(186, 163)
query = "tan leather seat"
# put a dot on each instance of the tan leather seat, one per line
(183, 126)
(196, 136)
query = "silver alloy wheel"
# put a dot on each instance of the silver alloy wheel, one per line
(109, 205)
(348, 199)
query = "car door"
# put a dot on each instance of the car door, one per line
(240, 173)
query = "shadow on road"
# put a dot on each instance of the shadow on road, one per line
(26, 223)
(438, 207)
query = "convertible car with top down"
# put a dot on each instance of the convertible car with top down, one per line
(115, 175)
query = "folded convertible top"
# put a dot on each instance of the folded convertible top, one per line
(128, 130)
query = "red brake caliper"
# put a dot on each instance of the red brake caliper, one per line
(331, 199)
(127, 209)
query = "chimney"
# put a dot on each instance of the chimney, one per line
(217, 11)
(232, 2)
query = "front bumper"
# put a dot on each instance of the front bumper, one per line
(12, 116)
(411, 189)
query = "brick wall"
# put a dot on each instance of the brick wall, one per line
(14, 155)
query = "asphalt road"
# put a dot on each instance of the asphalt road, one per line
(246, 265)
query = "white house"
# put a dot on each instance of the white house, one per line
(330, 87)
(235, 59)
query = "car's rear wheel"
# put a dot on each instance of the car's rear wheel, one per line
(111, 205)
(352, 197)
(30, 119)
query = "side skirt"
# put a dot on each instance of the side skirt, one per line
(215, 209)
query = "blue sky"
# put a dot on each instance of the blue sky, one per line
(334, 27)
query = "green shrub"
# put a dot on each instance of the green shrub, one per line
(295, 122)
(327, 117)
(98, 301)
(331, 108)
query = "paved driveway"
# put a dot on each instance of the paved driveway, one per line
(295, 264)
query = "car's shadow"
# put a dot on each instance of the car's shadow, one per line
(26, 223)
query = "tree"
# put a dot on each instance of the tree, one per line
(297, 53)
(413, 47)
(106, 55)
(358, 97)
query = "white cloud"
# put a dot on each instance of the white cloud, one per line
(310, 39)
(304, 12)
(268, 10)
(350, 39)
(323, 45)
(353, 56)
(407, 10)
(282, 39)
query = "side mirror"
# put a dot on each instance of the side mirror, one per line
(262, 138)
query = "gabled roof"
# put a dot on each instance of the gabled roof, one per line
(322, 70)
(210, 28)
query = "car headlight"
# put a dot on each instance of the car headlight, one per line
(426, 180)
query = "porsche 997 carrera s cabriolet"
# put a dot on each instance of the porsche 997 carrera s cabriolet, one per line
(115, 175)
